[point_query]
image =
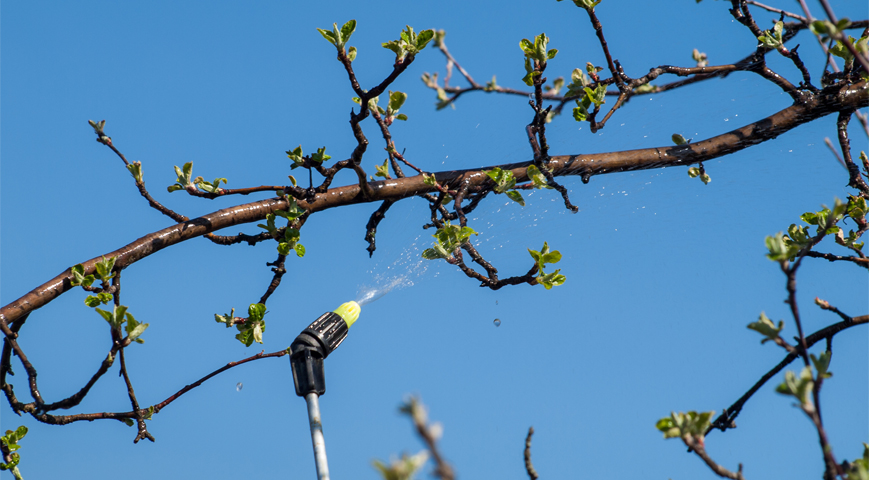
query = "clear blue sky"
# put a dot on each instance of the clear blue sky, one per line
(664, 273)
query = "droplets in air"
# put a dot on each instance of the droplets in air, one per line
(239, 387)
(400, 274)
(496, 322)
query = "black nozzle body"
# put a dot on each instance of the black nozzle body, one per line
(309, 350)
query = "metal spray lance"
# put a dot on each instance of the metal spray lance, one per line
(307, 353)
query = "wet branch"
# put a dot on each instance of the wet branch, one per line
(830, 100)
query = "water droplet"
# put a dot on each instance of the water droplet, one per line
(496, 322)
(239, 387)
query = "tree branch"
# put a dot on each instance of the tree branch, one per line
(828, 101)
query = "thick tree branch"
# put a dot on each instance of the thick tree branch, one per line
(828, 101)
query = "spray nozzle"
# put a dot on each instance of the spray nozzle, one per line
(349, 312)
(315, 343)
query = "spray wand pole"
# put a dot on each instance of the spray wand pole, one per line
(307, 353)
(317, 436)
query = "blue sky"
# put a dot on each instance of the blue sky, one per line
(664, 273)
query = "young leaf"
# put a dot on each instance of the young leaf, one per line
(538, 179)
(798, 387)
(104, 268)
(383, 170)
(397, 99)
(184, 177)
(680, 425)
(229, 319)
(320, 156)
(766, 327)
(516, 196)
(135, 169)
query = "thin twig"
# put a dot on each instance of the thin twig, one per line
(527, 456)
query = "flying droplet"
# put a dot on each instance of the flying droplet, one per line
(239, 387)
(496, 322)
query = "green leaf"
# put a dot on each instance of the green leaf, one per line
(92, 301)
(860, 468)
(296, 156)
(581, 111)
(798, 387)
(256, 311)
(531, 73)
(104, 268)
(402, 469)
(116, 317)
(694, 171)
(347, 30)
(397, 99)
(550, 280)
(448, 239)
(320, 156)
(423, 38)
(79, 278)
(766, 327)
(270, 224)
(822, 363)
(135, 169)
(101, 298)
(351, 53)
(680, 425)
(538, 179)
(504, 179)
(293, 212)
(329, 36)
(383, 170)
(679, 139)
(135, 329)
(596, 96)
(516, 196)
(299, 249)
(396, 47)
(772, 38)
(228, 319)
(428, 179)
(778, 250)
(542, 258)
(212, 187)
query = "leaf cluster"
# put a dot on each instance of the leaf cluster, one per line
(590, 97)
(339, 37)
(10, 444)
(184, 181)
(542, 258)
(504, 183)
(251, 330)
(689, 424)
(786, 247)
(447, 240)
(409, 43)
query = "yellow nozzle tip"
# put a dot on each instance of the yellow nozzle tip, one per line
(349, 312)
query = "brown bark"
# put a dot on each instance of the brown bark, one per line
(816, 106)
